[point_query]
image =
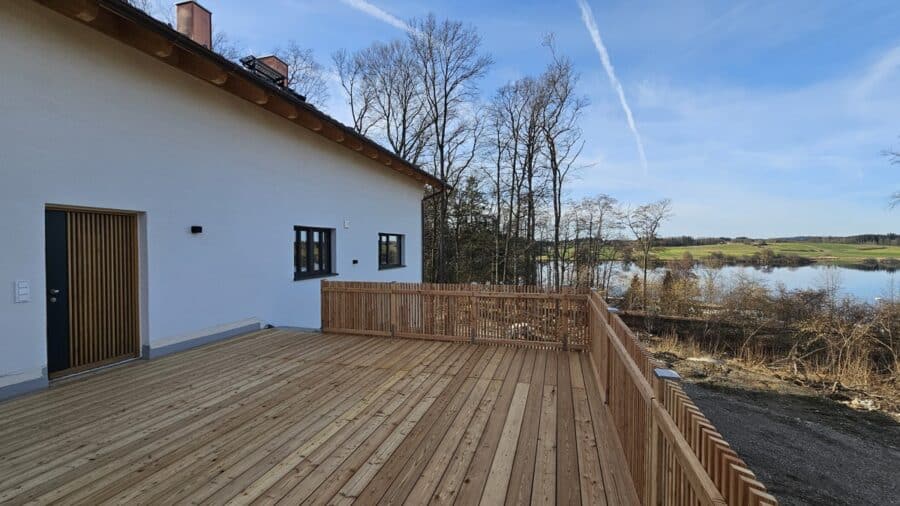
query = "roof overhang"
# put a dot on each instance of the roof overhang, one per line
(135, 28)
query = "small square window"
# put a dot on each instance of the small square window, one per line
(390, 251)
(312, 252)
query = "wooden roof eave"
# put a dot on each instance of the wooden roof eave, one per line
(135, 28)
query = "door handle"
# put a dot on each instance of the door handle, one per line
(54, 291)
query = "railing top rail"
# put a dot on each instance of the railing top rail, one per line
(469, 287)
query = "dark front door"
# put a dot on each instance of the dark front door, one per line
(57, 291)
(92, 296)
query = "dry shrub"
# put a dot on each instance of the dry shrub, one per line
(813, 335)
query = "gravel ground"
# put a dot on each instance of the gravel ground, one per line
(806, 449)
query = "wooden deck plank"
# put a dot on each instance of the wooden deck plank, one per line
(498, 477)
(474, 482)
(267, 390)
(132, 397)
(60, 462)
(413, 446)
(543, 490)
(451, 459)
(321, 467)
(619, 487)
(458, 472)
(328, 424)
(285, 470)
(96, 385)
(444, 434)
(522, 474)
(590, 476)
(124, 418)
(151, 385)
(186, 460)
(567, 485)
(295, 417)
(199, 467)
(349, 479)
(56, 394)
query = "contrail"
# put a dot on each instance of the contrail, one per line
(588, 17)
(378, 13)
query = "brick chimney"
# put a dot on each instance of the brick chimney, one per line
(278, 65)
(195, 21)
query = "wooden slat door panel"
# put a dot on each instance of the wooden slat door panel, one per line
(103, 287)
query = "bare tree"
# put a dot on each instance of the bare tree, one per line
(600, 220)
(306, 76)
(157, 8)
(398, 107)
(351, 70)
(644, 223)
(450, 64)
(519, 175)
(561, 112)
(499, 148)
(228, 47)
(144, 5)
(509, 113)
(533, 173)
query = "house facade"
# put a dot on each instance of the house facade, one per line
(154, 196)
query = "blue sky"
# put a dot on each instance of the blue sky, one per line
(758, 118)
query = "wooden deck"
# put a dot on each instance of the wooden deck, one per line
(293, 417)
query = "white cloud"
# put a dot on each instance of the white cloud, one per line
(378, 13)
(588, 17)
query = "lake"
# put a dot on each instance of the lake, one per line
(867, 286)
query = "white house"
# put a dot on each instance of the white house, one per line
(155, 196)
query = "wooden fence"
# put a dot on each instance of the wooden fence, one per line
(500, 314)
(674, 454)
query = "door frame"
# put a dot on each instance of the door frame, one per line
(139, 289)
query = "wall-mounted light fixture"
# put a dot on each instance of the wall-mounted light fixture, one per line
(196, 229)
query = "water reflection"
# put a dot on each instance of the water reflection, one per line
(865, 285)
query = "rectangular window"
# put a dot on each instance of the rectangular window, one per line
(390, 251)
(312, 252)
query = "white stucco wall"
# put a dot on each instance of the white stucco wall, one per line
(85, 121)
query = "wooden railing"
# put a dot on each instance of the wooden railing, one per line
(674, 454)
(501, 314)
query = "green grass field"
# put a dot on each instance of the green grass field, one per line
(841, 254)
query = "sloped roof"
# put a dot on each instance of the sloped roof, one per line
(160, 41)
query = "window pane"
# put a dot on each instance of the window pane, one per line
(316, 266)
(393, 250)
(312, 251)
(390, 250)
(301, 252)
(325, 260)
